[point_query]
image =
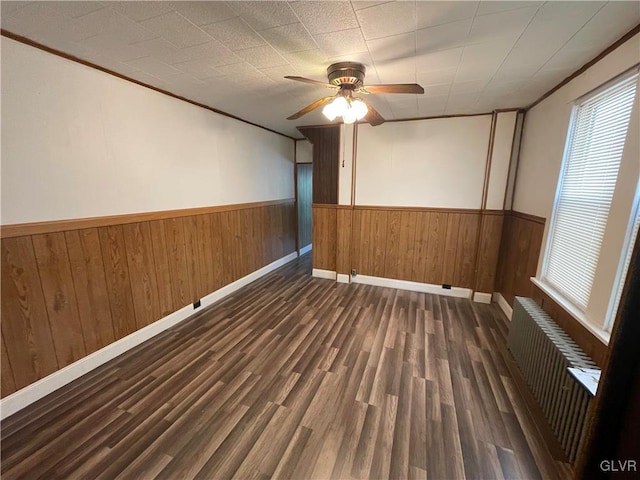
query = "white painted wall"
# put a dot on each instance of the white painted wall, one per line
(345, 169)
(77, 143)
(543, 144)
(500, 158)
(304, 151)
(545, 131)
(423, 163)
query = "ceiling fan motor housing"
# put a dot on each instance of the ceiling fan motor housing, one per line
(346, 74)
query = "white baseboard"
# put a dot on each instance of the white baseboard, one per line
(343, 278)
(232, 287)
(413, 286)
(43, 387)
(328, 274)
(481, 297)
(306, 249)
(503, 304)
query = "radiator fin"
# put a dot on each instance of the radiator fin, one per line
(543, 352)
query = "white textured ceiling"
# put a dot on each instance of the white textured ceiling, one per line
(470, 57)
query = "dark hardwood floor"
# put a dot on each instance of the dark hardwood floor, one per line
(296, 377)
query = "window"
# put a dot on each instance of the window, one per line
(592, 159)
(624, 266)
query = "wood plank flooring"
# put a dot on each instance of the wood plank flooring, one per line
(295, 377)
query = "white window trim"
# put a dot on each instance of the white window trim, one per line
(572, 310)
(563, 168)
(626, 253)
(575, 311)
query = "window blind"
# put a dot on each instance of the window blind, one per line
(583, 201)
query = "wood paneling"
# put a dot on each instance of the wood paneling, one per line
(25, 326)
(142, 273)
(324, 237)
(519, 251)
(8, 382)
(369, 239)
(327, 382)
(489, 251)
(326, 154)
(343, 240)
(118, 283)
(433, 228)
(181, 285)
(22, 229)
(218, 251)
(90, 285)
(60, 297)
(159, 245)
(67, 294)
(428, 246)
(305, 179)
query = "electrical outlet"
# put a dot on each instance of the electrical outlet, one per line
(196, 304)
(446, 286)
(353, 272)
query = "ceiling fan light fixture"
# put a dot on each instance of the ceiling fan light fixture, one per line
(330, 112)
(349, 109)
(348, 79)
(349, 116)
(359, 108)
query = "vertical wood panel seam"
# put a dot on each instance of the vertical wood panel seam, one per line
(13, 375)
(126, 262)
(44, 300)
(384, 257)
(75, 295)
(155, 272)
(104, 270)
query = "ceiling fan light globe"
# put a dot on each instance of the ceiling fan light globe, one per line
(349, 116)
(341, 105)
(330, 112)
(359, 108)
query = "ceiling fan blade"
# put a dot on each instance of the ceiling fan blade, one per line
(373, 118)
(394, 88)
(312, 82)
(308, 108)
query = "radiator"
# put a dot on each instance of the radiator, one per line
(543, 352)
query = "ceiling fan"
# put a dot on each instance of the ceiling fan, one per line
(348, 79)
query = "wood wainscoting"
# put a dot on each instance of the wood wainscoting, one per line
(520, 248)
(324, 237)
(326, 154)
(73, 289)
(519, 253)
(427, 245)
(437, 246)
